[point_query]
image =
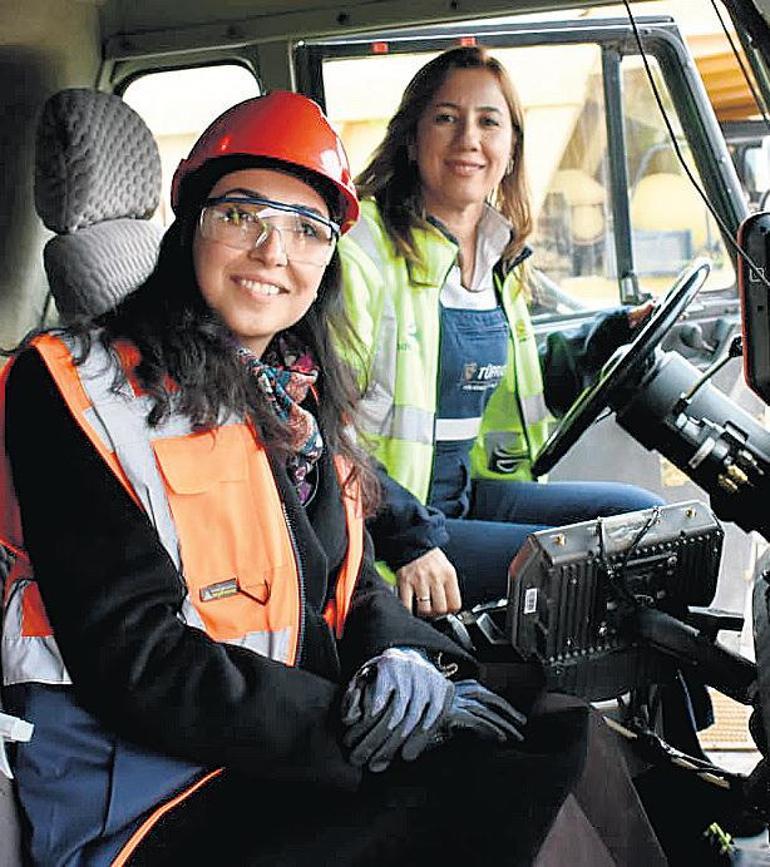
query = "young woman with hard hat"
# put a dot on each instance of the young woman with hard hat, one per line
(193, 590)
(194, 623)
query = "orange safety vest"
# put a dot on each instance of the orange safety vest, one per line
(227, 530)
(235, 546)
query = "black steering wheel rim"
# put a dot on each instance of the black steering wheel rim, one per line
(622, 366)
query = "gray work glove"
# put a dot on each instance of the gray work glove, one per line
(477, 710)
(396, 702)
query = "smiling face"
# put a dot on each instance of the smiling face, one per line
(464, 142)
(258, 292)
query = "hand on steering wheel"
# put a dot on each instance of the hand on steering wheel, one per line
(637, 315)
(624, 365)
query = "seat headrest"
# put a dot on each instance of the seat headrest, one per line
(95, 160)
(97, 183)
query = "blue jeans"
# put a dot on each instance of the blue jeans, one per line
(502, 515)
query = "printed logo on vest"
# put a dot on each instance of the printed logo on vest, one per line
(523, 331)
(410, 338)
(481, 377)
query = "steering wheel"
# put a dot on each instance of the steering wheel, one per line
(626, 363)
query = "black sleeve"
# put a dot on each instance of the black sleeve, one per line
(571, 359)
(378, 620)
(403, 528)
(111, 593)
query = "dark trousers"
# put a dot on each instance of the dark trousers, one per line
(502, 515)
(562, 797)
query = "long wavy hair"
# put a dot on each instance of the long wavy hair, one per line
(182, 340)
(392, 177)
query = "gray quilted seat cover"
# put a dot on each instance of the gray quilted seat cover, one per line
(92, 269)
(97, 182)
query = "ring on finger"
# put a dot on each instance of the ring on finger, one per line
(423, 598)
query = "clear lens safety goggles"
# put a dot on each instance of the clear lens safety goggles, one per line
(245, 222)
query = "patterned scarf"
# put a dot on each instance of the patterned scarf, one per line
(284, 375)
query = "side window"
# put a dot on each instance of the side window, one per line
(751, 157)
(179, 104)
(568, 156)
(757, 162)
(349, 84)
(565, 151)
(670, 223)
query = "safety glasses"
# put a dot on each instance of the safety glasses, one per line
(245, 222)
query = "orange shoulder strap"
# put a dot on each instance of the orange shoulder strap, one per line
(61, 366)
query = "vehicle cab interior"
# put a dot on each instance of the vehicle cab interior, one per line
(639, 176)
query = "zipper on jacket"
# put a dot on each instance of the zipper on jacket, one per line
(297, 558)
(436, 383)
(300, 583)
(517, 395)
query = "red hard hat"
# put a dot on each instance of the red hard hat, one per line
(283, 126)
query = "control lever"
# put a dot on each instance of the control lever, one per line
(724, 329)
(730, 673)
(691, 334)
(454, 628)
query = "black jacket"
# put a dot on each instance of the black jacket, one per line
(112, 593)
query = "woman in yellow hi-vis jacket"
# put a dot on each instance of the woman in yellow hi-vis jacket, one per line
(193, 621)
(458, 406)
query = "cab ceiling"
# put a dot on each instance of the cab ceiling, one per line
(149, 26)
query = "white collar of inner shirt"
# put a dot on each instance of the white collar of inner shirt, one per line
(492, 237)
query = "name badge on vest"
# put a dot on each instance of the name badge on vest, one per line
(223, 589)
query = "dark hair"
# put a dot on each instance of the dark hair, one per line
(392, 177)
(180, 337)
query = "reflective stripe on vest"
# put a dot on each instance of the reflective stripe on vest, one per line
(27, 642)
(394, 306)
(234, 548)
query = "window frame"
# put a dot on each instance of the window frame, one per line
(116, 75)
(615, 38)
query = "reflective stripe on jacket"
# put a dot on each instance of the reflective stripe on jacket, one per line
(233, 547)
(394, 306)
(216, 508)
